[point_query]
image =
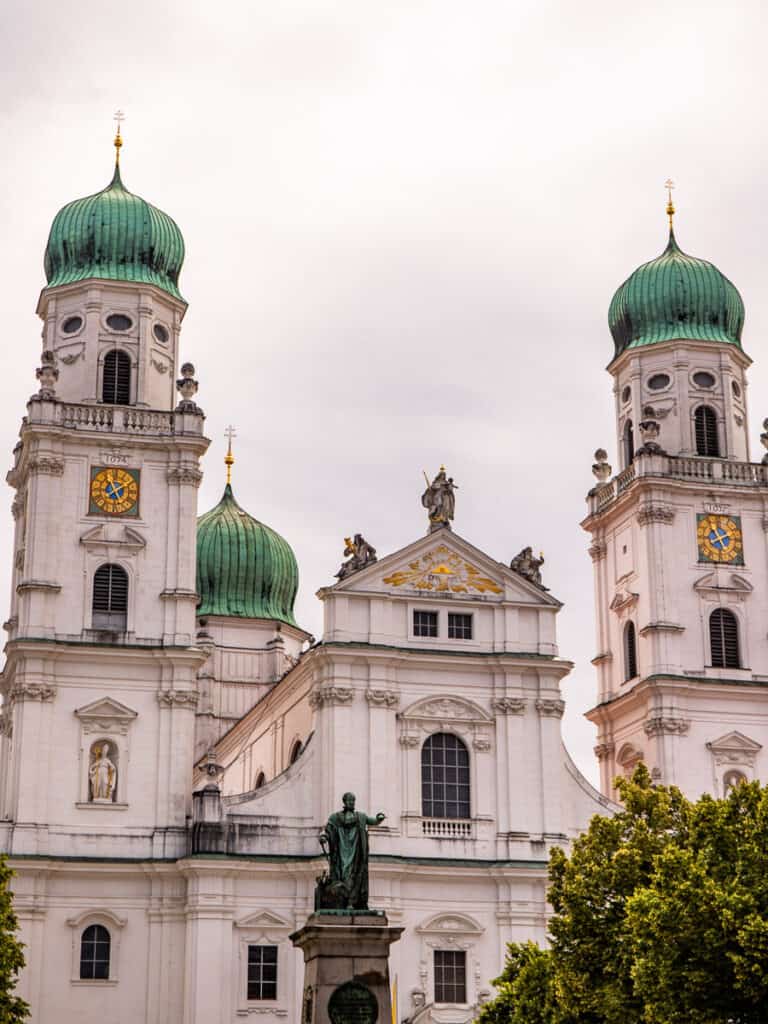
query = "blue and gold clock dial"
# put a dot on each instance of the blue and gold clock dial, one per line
(114, 492)
(719, 539)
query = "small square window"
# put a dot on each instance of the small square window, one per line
(459, 627)
(425, 623)
(450, 976)
(262, 972)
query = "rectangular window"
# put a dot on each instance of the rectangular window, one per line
(459, 627)
(262, 972)
(425, 623)
(450, 976)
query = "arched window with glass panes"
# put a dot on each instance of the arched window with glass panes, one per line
(630, 651)
(724, 639)
(444, 777)
(95, 951)
(116, 379)
(110, 598)
(705, 428)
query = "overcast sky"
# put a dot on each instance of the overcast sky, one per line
(404, 223)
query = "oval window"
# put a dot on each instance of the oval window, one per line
(161, 333)
(626, 394)
(72, 324)
(119, 322)
(702, 379)
(736, 389)
(659, 381)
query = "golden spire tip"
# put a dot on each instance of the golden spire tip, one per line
(669, 185)
(229, 458)
(119, 117)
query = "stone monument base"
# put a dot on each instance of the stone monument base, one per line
(346, 967)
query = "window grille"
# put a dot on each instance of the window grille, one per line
(110, 598)
(116, 382)
(724, 639)
(630, 651)
(444, 777)
(262, 972)
(450, 976)
(94, 953)
(425, 623)
(707, 441)
(459, 627)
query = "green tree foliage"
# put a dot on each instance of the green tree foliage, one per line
(660, 917)
(13, 1010)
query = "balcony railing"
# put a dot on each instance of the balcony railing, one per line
(114, 418)
(446, 828)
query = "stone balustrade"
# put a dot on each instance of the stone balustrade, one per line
(129, 420)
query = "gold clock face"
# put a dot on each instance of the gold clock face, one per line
(719, 539)
(114, 491)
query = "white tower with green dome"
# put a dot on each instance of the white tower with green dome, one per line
(679, 538)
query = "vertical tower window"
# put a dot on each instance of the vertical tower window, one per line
(94, 953)
(116, 382)
(450, 976)
(629, 444)
(630, 651)
(262, 972)
(444, 777)
(110, 598)
(707, 441)
(724, 639)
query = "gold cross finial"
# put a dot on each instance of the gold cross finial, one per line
(669, 185)
(119, 117)
(229, 458)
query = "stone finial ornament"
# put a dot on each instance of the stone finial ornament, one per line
(186, 385)
(601, 467)
(649, 432)
(439, 500)
(47, 374)
(525, 564)
(362, 555)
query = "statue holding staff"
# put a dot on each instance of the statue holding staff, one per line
(345, 842)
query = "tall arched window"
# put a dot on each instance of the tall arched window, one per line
(94, 953)
(110, 598)
(724, 639)
(629, 443)
(707, 441)
(295, 751)
(444, 777)
(261, 780)
(630, 651)
(116, 381)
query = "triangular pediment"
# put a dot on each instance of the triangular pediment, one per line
(113, 535)
(444, 564)
(735, 742)
(106, 708)
(733, 582)
(453, 923)
(262, 919)
(445, 708)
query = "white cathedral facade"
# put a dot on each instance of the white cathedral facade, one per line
(172, 740)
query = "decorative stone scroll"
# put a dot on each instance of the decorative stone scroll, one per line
(332, 695)
(177, 698)
(598, 550)
(184, 475)
(666, 725)
(550, 708)
(654, 512)
(32, 691)
(382, 698)
(604, 750)
(47, 464)
(509, 705)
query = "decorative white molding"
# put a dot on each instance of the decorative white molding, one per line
(598, 550)
(32, 691)
(178, 698)
(184, 475)
(482, 745)
(47, 464)
(735, 748)
(456, 709)
(550, 708)
(331, 695)
(509, 705)
(623, 599)
(106, 715)
(409, 741)
(713, 586)
(106, 536)
(382, 698)
(666, 725)
(655, 512)
(604, 750)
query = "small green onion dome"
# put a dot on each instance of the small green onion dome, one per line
(675, 296)
(117, 236)
(243, 567)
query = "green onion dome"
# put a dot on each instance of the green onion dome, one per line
(675, 296)
(117, 236)
(243, 567)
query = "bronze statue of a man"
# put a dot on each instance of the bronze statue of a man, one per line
(345, 841)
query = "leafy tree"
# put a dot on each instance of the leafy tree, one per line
(526, 994)
(13, 1010)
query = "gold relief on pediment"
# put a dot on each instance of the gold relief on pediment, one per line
(443, 571)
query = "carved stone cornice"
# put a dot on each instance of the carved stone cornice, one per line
(666, 725)
(48, 464)
(177, 698)
(26, 585)
(509, 705)
(382, 698)
(550, 708)
(184, 475)
(654, 512)
(604, 750)
(598, 550)
(32, 691)
(601, 657)
(331, 695)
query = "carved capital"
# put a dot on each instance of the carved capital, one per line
(185, 475)
(481, 744)
(604, 750)
(177, 698)
(382, 698)
(666, 725)
(32, 691)
(654, 512)
(332, 695)
(550, 708)
(598, 550)
(48, 464)
(509, 705)
(409, 741)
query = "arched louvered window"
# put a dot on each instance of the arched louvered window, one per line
(707, 441)
(110, 598)
(444, 777)
(630, 651)
(724, 639)
(629, 443)
(95, 946)
(295, 751)
(116, 382)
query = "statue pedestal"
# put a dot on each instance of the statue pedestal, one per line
(346, 967)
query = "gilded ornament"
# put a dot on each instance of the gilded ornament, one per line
(443, 571)
(114, 491)
(720, 539)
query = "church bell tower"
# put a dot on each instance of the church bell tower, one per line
(678, 538)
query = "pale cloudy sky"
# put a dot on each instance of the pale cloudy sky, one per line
(404, 224)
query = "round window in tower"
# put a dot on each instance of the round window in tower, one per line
(72, 324)
(702, 379)
(626, 394)
(735, 389)
(161, 333)
(119, 322)
(659, 381)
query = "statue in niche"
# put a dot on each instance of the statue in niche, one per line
(362, 555)
(528, 566)
(102, 775)
(439, 500)
(345, 843)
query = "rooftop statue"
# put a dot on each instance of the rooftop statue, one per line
(345, 843)
(439, 500)
(362, 555)
(527, 565)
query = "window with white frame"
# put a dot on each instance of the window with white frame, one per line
(459, 626)
(262, 972)
(424, 623)
(444, 777)
(95, 948)
(450, 976)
